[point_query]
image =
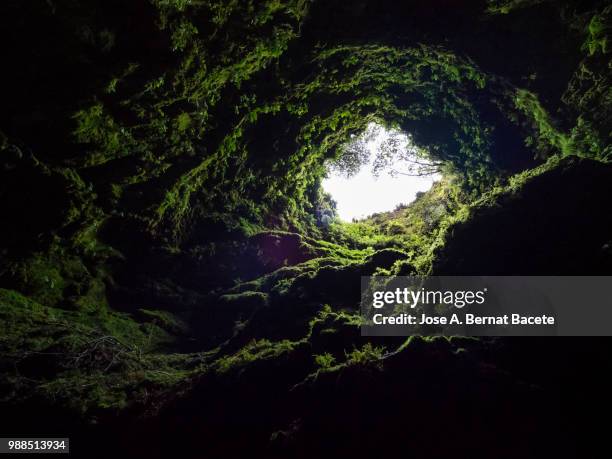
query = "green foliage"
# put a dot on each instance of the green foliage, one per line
(97, 128)
(255, 351)
(589, 92)
(166, 321)
(366, 72)
(548, 135)
(508, 6)
(396, 154)
(597, 33)
(83, 361)
(412, 228)
(189, 133)
(194, 135)
(40, 279)
(367, 354)
(325, 361)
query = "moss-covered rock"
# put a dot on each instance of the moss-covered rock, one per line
(555, 219)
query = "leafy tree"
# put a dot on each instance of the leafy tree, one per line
(394, 153)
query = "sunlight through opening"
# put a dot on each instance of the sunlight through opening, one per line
(372, 188)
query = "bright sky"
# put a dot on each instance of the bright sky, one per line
(364, 194)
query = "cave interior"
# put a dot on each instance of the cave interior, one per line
(173, 277)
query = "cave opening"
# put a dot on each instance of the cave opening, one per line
(377, 171)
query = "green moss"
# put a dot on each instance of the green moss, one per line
(97, 128)
(548, 134)
(83, 362)
(597, 33)
(508, 6)
(325, 361)
(183, 122)
(88, 394)
(40, 278)
(256, 350)
(244, 301)
(366, 355)
(328, 321)
(166, 320)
